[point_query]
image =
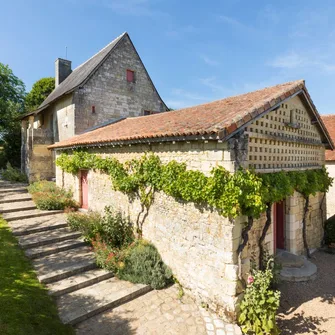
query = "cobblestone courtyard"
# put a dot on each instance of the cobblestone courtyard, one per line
(158, 313)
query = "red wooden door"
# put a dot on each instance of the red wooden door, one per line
(279, 215)
(84, 189)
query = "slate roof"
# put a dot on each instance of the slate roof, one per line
(80, 75)
(219, 119)
(329, 121)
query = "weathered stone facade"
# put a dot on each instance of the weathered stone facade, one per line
(106, 95)
(331, 194)
(197, 243)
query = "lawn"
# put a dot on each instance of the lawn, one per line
(25, 306)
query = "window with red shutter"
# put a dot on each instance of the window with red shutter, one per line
(130, 76)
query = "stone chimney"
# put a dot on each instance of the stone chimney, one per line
(62, 70)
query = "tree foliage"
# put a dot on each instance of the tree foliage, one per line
(12, 95)
(40, 90)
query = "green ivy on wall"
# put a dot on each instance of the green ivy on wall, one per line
(241, 193)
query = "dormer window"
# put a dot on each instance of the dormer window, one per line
(130, 76)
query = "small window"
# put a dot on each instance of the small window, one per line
(147, 113)
(130, 76)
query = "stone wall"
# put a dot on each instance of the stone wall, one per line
(197, 243)
(331, 194)
(111, 94)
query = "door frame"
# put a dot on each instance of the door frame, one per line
(275, 225)
(81, 175)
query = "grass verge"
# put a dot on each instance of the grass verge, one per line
(25, 306)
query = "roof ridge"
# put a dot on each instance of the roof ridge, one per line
(104, 48)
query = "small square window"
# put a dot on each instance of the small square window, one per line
(130, 76)
(147, 112)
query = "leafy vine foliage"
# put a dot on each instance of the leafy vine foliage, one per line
(241, 193)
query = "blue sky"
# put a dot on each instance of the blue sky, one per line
(195, 51)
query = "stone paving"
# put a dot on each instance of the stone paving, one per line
(158, 312)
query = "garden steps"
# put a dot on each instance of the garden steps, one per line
(62, 260)
(26, 214)
(12, 190)
(54, 248)
(16, 197)
(17, 206)
(64, 263)
(84, 303)
(295, 268)
(38, 224)
(47, 237)
(78, 281)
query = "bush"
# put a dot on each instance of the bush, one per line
(88, 224)
(42, 186)
(330, 231)
(113, 228)
(259, 305)
(143, 264)
(117, 231)
(108, 258)
(48, 196)
(13, 174)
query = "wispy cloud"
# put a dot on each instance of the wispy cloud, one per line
(236, 24)
(180, 32)
(130, 7)
(209, 61)
(304, 60)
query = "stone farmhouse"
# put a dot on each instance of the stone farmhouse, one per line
(329, 121)
(112, 84)
(273, 129)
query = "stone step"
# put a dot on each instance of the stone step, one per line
(47, 237)
(34, 225)
(17, 206)
(78, 281)
(49, 249)
(17, 189)
(64, 264)
(17, 197)
(304, 273)
(82, 304)
(7, 184)
(34, 213)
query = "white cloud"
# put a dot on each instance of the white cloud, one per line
(209, 61)
(177, 33)
(304, 60)
(236, 24)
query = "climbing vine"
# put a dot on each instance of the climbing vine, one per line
(241, 193)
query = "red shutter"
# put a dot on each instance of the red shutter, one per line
(130, 76)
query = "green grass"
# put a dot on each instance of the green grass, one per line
(25, 306)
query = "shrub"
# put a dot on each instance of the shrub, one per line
(48, 196)
(143, 264)
(88, 224)
(108, 258)
(330, 231)
(42, 186)
(259, 305)
(13, 174)
(117, 231)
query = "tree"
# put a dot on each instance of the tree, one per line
(40, 90)
(12, 97)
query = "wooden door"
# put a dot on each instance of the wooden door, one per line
(279, 225)
(84, 189)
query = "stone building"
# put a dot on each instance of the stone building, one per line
(329, 121)
(111, 85)
(273, 129)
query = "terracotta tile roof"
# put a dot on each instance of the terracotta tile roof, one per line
(218, 119)
(329, 121)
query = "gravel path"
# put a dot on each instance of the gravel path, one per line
(309, 308)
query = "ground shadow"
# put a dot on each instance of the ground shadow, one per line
(309, 307)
